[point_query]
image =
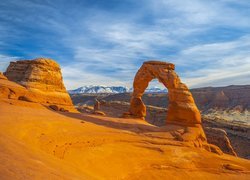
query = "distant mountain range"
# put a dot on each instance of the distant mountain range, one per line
(99, 89)
(234, 97)
(111, 90)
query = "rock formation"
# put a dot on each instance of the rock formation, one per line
(238, 134)
(97, 105)
(39, 80)
(42, 74)
(219, 138)
(181, 109)
(11, 90)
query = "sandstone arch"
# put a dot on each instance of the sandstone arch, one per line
(181, 109)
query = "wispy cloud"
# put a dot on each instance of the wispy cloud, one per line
(5, 60)
(216, 62)
(105, 43)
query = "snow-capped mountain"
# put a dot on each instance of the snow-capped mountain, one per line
(99, 89)
(156, 90)
(111, 90)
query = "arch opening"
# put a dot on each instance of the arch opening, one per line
(155, 98)
(181, 108)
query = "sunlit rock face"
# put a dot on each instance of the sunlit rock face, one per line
(43, 74)
(181, 109)
(42, 78)
(2, 76)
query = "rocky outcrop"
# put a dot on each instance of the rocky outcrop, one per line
(181, 110)
(239, 134)
(234, 97)
(219, 138)
(42, 74)
(11, 90)
(42, 77)
(39, 80)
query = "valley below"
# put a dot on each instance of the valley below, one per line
(226, 108)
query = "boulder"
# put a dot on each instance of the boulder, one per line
(99, 113)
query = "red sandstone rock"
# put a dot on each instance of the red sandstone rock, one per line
(42, 78)
(11, 90)
(219, 138)
(38, 80)
(54, 107)
(2, 76)
(181, 110)
(99, 113)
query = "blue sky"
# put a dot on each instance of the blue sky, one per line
(104, 42)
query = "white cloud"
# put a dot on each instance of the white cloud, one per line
(229, 61)
(129, 41)
(202, 13)
(5, 61)
(74, 78)
(96, 46)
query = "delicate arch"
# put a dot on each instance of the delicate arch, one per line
(181, 109)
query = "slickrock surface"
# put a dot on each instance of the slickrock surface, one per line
(233, 117)
(2, 76)
(155, 115)
(39, 143)
(11, 90)
(39, 80)
(45, 141)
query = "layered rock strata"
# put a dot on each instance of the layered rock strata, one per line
(39, 80)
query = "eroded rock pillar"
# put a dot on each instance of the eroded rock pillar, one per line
(141, 81)
(181, 108)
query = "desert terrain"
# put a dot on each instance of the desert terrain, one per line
(39, 143)
(47, 138)
(124, 90)
(226, 108)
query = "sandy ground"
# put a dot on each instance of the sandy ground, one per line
(37, 143)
